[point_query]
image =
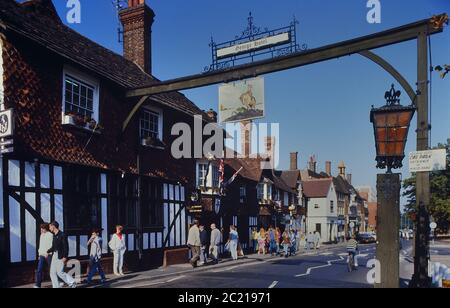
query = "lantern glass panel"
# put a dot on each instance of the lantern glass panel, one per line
(404, 118)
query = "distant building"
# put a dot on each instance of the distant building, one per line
(322, 208)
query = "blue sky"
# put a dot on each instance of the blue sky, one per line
(322, 109)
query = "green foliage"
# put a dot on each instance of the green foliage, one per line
(440, 193)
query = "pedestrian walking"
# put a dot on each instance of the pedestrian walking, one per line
(286, 242)
(316, 240)
(45, 259)
(95, 256)
(255, 240)
(310, 241)
(118, 247)
(194, 243)
(278, 240)
(204, 242)
(293, 238)
(216, 241)
(60, 252)
(273, 241)
(233, 242)
(262, 241)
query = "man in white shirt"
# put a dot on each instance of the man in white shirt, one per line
(45, 243)
(194, 243)
(216, 240)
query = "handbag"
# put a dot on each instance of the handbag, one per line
(227, 246)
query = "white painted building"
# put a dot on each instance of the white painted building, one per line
(322, 211)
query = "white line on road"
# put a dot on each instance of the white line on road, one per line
(326, 254)
(329, 263)
(153, 283)
(273, 285)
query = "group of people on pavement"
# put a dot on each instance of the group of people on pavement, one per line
(206, 245)
(54, 251)
(275, 242)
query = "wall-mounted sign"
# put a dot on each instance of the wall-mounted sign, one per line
(258, 44)
(428, 161)
(6, 123)
(241, 101)
(217, 206)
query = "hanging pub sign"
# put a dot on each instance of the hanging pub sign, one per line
(6, 131)
(241, 101)
(255, 43)
(6, 123)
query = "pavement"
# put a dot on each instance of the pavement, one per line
(325, 268)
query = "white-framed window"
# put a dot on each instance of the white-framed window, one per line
(151, 123)
(269, 191)
(331, 206)
(242, 193)
(215, 175)
(202, 170)
(260, 191)
(277, 195)
(286, 199)
(80, 94)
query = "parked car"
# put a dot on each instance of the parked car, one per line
(366, 238)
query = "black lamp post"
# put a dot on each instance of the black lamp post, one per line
(391, 125)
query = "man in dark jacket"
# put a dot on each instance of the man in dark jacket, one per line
(204, 240)
(60, 251)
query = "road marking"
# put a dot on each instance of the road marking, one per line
(343, 254)
(273, 285)
(329, 263)
(363, 255)
(326, 254)
(174, 279)
(153, 283)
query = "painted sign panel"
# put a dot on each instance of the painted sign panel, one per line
(6, 123)
(427, 161)
(246, 47)
(241, 101)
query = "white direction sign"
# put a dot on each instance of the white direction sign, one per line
(254, 45)
(427, 161)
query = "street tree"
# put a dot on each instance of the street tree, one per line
(440, 194)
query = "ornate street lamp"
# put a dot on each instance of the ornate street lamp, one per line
(391, 125)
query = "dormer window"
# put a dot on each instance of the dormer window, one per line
(80, 99)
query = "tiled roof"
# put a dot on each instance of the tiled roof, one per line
(38, 23)
(307, 175)
(290, 177)
(341, 184)
(318, 188)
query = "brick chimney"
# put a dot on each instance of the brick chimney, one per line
(328, 168)
(270, 146)
(342, 169)
(246, 138)
(294, 161)
(312, 165)
(137, 21)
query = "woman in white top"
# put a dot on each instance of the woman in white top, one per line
(118, 247)
(45, 243)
